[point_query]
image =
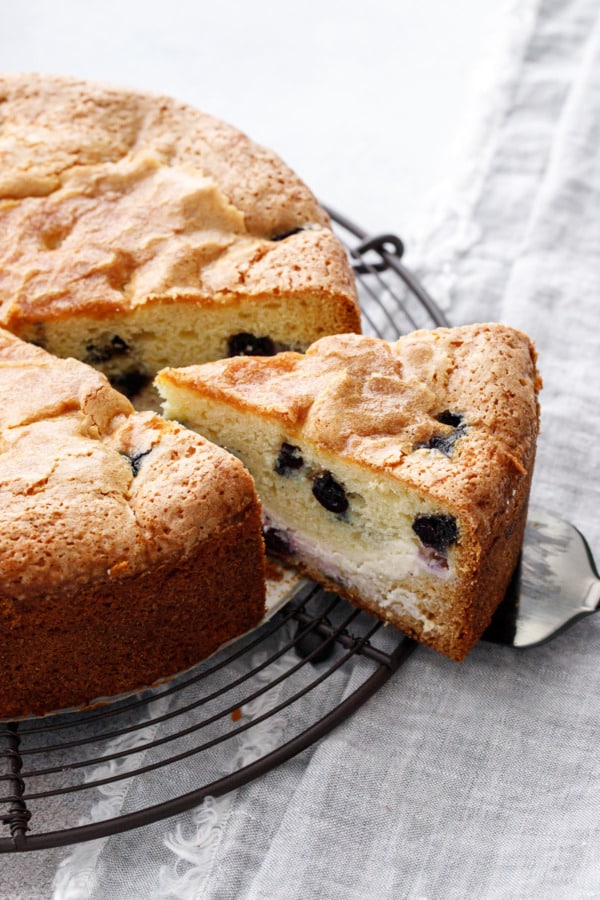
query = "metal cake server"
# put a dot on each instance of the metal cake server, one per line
(555, 585)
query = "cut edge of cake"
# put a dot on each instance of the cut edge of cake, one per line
(397, 475)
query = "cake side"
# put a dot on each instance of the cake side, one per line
(74, 649)
(130, 548)
(394, 474)
(121, 211)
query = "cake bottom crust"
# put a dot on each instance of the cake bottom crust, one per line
(68, 650)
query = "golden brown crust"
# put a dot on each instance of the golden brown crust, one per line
(111, 200)
(54, 126)
(374, 402)
(117, 517)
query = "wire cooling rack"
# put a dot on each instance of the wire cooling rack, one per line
(244, 711)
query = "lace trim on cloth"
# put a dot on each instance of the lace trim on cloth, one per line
(75, 875)
(194, 848)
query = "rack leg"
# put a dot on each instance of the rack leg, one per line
(17, 815)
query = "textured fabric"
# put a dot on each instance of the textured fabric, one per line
(479, 780)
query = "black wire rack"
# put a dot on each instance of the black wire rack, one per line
(252, 706)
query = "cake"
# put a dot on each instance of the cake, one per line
(130, 547)
(137, 232)
(395, 474)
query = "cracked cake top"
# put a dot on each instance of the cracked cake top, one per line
(112, 198)
(88, 487)
(453, 411)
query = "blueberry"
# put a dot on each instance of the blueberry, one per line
(102, 352)
(437, 532)
(246, 344)
(282, 235)
(450, 418)
(330, 493)
(118, 345)
(289, 459)
(445, 442)
(135, 461)
(277, 541)
(131, 382)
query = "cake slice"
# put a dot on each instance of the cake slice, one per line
(137, 232)
(130, 547)
(394, 474)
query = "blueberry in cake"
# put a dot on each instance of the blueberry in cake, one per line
(396, 474)
(130, 547)
(137, 232)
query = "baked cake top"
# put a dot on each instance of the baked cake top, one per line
(110, 198)
(452, 411)
(88, 487)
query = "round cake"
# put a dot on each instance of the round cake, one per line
(130, 547)
(137, 232)
(139, 235)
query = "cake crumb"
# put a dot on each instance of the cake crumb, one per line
(273, 570)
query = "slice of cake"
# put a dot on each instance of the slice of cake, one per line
(395, 474)
(137, 232)
(130, 547)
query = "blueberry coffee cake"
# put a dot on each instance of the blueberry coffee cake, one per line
(396, 474)
(130, 547)
(137, 232)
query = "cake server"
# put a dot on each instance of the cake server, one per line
(555, 585)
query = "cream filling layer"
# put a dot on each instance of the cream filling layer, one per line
(374, 571)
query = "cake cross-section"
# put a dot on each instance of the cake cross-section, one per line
(397, 474)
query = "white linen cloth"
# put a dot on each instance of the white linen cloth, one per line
(479, 780)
